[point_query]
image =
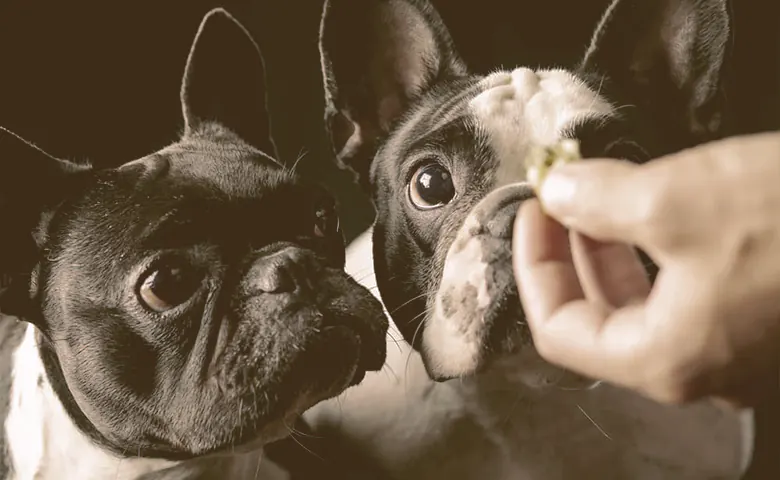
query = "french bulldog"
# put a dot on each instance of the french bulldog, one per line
(169, 317)
(441, 153)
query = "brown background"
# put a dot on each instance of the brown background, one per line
(100, 79)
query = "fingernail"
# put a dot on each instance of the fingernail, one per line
(557, 192)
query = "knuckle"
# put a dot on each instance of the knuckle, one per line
(672, 395)
(544, 346)
(548, 347)
(657, 215)
(673, 383)
(669, 388)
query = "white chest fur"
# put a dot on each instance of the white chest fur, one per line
(496, 427)
(43, 442)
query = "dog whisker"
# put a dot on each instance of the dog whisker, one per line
(508, 417)
(395, 310)
(119, 464)
(581, 389)
(594, 422)
(363, 276)
(257, 468)
(301, 155)
(621, 107)
(363, 270)
(598, 93)
(414, 337)
(397, 342)
(295, 431)
(292, 436)
(389, 370)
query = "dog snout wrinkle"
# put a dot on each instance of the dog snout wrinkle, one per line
(283, 271)
(501, 224)
(497, 211)
(275, 276)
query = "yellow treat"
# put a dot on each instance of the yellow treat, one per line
(541, 159)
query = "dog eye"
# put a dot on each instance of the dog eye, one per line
(431, 187)
(326, 221)
(168, 286)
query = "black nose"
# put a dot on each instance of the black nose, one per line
(497, 211)
(501, 224)
(279, 272)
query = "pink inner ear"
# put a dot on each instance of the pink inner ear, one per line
(409, 52)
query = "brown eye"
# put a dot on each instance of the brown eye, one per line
(431, 187)
(168, 286)
(326, 221)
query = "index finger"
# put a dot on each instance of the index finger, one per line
(606, 199)
(568, 330)
(543, 262)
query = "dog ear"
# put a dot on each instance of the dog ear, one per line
(224, 82)
(377, 57)
(669, 54)
(32, 183)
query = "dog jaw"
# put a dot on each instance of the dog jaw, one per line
(131, 274)
(474, 279)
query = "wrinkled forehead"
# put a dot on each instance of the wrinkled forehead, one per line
(212, 183)
(508, 110)
(192, 191)
(229, 168)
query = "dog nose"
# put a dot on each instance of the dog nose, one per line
(276, 273)
(275, 278)
(497, 211)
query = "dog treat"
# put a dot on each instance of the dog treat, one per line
(541, 159)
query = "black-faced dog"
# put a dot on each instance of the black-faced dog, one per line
(186, 305)
(440, 151)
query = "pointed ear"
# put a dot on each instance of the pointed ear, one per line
(224, 82)
(32, 183)
(669, 54)
(377, 57)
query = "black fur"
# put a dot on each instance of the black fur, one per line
(273, 323)
(243, 106)
(354, 39)
(659, 62)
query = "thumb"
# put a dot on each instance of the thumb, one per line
(603, 198)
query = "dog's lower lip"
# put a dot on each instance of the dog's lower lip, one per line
(358, 377)
(365, 360)
(373, 363)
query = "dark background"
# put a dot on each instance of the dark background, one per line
(99, 80)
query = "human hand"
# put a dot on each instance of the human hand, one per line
(710, 218)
